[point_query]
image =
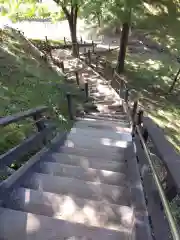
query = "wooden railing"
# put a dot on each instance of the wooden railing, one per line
(146, 130)
(42, 136)
(45, 131)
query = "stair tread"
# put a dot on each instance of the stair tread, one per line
(98, 153)
(73, 209)
(76, 160)
(109, 142)
(93, 132)
(100, 123)
(112, 114)
(84, 173)
(37, 227)
(80, 188)
(119, 122)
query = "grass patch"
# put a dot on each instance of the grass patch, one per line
(26, 81)
(41, 43)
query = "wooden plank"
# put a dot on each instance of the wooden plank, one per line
(165, 150)
(29, 144)
(22, 115)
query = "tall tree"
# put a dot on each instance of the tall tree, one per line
(116, 13)
(124, 39)
(70, 9)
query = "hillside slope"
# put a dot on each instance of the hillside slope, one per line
(27, 81)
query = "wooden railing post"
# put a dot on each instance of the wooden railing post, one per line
(89, 57)
(121, 88)
(134, 114)
(48, 47)
(134, 110)
(93, 46)
(140, 117)
(69, 101)
(97, 62)
(62, 66)
(65, 43)
(77, 77)
(39, 122)
(145, 135)
(113, 71)
(86, 90)
(126, 97)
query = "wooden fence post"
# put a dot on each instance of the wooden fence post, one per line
(40, 124)
(62, 66)
(77, 77)
(65, 43)
(134, 110)
(86, 90)
(140, 117)
(134, 114)
(89, 57)
(126, 97)
(93, 46)
(69, 101)
(48, 47)
(97, 62)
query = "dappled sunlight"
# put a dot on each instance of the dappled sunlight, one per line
(112, 143)
(32, 223)
(88, 212)
(69, 143)
(154, 64)
(27, 196)
(155, 9)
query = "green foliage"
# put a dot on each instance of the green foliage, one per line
(110, 11)
(26, 82)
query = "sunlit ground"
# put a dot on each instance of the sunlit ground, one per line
(150, 75)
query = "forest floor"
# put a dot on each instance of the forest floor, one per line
(150, 69)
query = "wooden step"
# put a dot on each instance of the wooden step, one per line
(97, 153)
(106, 144)
(83, 173)
(100, 124)
(87, 162)
(95, 191)
(122, 123)
(22, 225)
(97, 130)
(92, 132)
(119, 116)
(73, 209)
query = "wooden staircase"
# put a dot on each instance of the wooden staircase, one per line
(83, 186)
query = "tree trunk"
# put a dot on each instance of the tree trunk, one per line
(72, 27)
(123, 46)
(174, 82)
(98, 16)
